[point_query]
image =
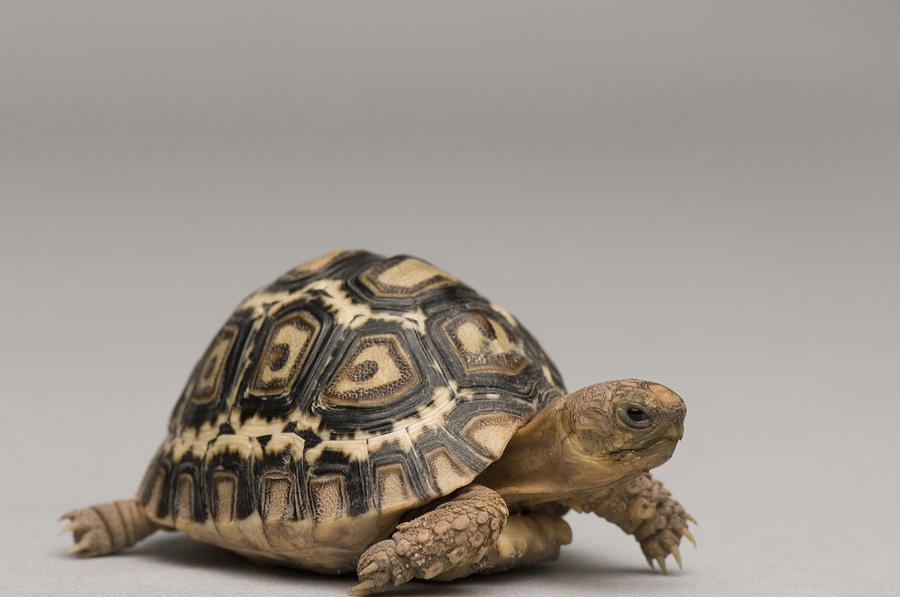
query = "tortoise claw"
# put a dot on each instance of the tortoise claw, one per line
(373, 567)
(73, 526)
(363, 588)
(78, 547)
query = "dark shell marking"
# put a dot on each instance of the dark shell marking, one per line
(353, 383)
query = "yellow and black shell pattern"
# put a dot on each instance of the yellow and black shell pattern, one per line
(353, 383)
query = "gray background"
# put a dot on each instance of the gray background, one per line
(702, 194)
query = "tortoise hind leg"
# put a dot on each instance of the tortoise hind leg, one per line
(108, 528)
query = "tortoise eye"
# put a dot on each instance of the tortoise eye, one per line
(634, 415)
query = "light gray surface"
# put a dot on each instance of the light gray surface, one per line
(705, 195)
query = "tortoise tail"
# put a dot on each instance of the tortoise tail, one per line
(107, 528)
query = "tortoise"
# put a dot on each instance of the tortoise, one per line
(378, 415)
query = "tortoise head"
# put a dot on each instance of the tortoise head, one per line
(616, 428)
(593, 438)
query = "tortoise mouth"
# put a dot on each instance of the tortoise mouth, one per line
(648, 448)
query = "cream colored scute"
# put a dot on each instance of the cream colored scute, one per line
(412, 272)
(184, 499)
(295, 339)
(225, 495)
(470, 336)
(491, 432)
(393, 489)
(208, 379)
(377, 371)
(447, 473)
(329, 497)
(386, 370)
(407, 277)
(277, 371)
(474, 341)
(483, 344)
(278, 502)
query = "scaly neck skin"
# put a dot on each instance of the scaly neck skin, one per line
(539, 465)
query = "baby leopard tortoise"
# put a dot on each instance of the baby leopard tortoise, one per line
(377, 415)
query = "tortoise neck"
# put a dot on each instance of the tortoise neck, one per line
(533, 466)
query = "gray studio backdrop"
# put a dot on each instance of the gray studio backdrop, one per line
(702, 194)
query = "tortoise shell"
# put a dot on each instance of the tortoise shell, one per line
(352, 384)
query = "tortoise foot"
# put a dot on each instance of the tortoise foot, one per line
(661, 534)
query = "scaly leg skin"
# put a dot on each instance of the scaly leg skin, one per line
(456, 533)
(526, 539)
(107, 528)
(644, 508)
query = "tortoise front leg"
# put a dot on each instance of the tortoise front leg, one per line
(526, 539)
(644, 508)
(455, 534)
